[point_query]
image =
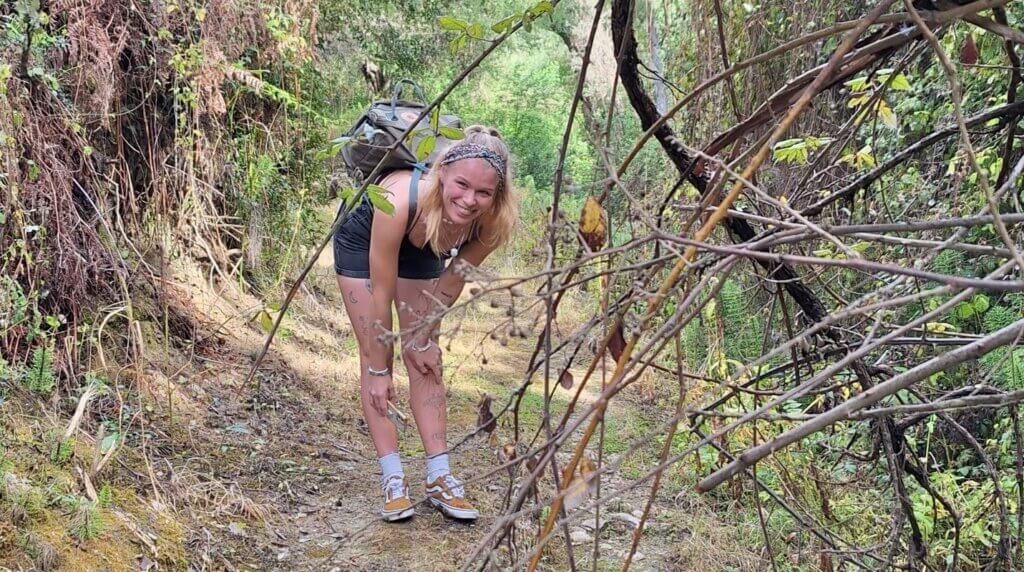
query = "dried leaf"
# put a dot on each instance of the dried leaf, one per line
(586, 470)
(576, 493)
(484, 417)
(617, 344)
(969, 53)
(586, 467)
(581, 487)
(531, 465)
(566, 380)
(592, 225)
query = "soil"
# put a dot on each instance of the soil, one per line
(280, 474)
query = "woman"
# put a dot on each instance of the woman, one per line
(465, 203)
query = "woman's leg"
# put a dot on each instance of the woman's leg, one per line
(356, 292)
(426, 394)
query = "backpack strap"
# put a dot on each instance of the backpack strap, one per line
(414, 186)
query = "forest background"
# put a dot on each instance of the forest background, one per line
(840, 348)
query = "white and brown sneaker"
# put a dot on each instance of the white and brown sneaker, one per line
(448, 496)
(397, 505)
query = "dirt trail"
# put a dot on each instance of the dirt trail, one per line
(297, 447)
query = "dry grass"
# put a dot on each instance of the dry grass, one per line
(292, 452)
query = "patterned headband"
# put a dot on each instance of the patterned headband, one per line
(475, 151)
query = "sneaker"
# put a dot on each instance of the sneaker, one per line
(396, 500)
(448, 496)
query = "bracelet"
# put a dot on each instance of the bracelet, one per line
(424, 348)
(378, 372)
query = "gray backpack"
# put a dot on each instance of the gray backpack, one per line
(366, 143)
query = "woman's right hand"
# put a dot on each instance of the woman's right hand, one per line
(381, 389)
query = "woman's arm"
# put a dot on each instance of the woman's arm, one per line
(450, 284)
(385, 240)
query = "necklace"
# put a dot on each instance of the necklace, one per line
(462, 236)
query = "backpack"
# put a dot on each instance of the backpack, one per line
(367, 141)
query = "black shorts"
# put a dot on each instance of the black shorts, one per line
(352, 250)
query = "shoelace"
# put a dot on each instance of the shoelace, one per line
(395, 488)
(454, 486)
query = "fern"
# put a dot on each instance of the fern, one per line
(40, 377)
(742, 339)
(694, 343)
(63, 451)
(952, 263)
(1009, 371)
(13, 297)
(88, 522)
(106, 496)
(999, 317)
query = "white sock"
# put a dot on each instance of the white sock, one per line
(390, 465)
(437, 466)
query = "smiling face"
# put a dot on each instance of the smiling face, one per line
(468, 189)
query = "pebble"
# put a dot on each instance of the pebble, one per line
(580, 536)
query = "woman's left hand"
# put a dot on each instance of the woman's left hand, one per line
(427, 362)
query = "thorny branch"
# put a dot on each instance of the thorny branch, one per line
(859, 356)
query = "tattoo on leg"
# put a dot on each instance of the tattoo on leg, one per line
(369, 286)
(435, 400)
(352, 297)
(439, 436)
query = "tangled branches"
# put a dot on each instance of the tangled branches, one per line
(824, 369)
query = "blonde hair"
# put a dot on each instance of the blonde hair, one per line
(494, 226)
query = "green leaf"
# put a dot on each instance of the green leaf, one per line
(412, 135)
(266, 322)
(274, 307)
(435, 119)
(858, 100)
(790, 143)
(426, 147)
(328, 153)
(865, 160)
(451, 133)
(885, 113)
(541, 8)
(505, 25)
(900, 83)
(108, 442)
(457, 44)
(964, 311)
(452, 24)
(349, 197)
(476, 31)
(857, 83)
(980, 303)
(379, 199)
